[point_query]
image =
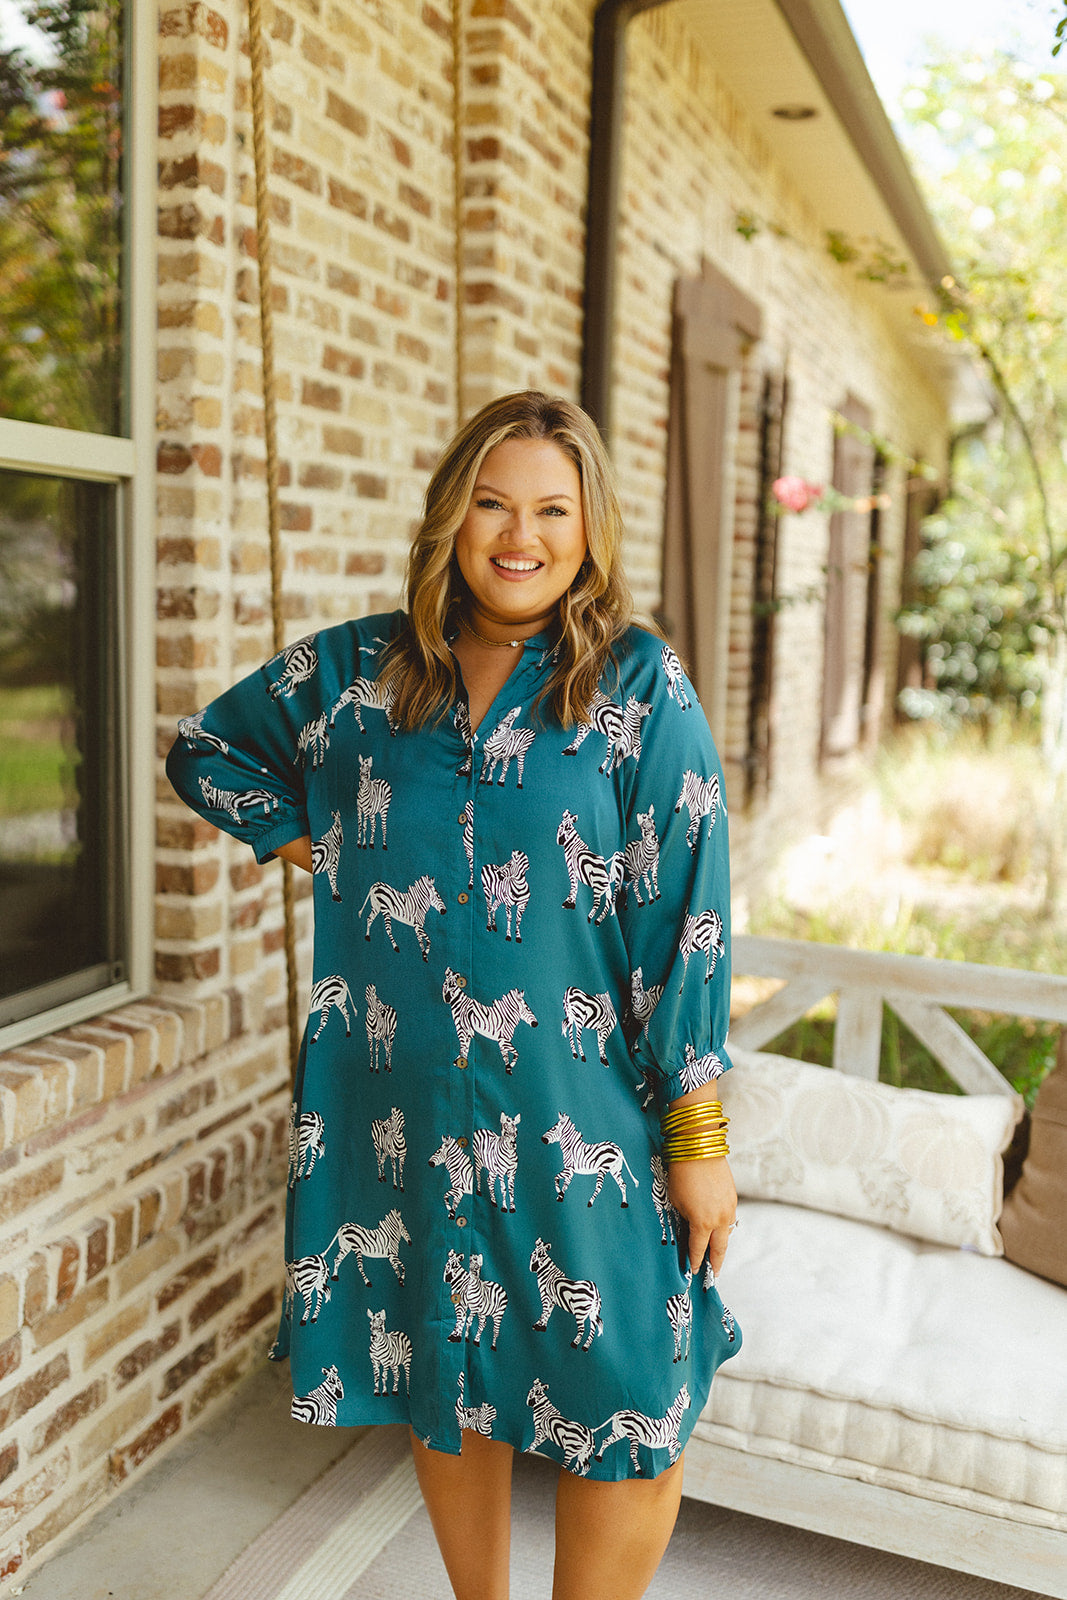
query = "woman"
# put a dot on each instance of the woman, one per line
(512, 809)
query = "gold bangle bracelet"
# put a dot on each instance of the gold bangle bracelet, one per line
(710, 1155)
(698, 1108)
(676, 1146)
(670, 1124)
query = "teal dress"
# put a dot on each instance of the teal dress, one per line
(521, 955)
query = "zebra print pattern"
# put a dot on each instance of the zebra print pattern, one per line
(497, 1155)
(675, 675)
(702, 932)
(308, 1277)
(326, 853)
(387, 1136)
(301, 660)
(581, 1010)
(381, 1029)
(601, 875)
(728, 1323)
(231, 800)
(327, 993)
(373, 799)
(698, 1071)
(408, 906)
(664, 1210)
(680, 1317)
(194, 733)
(658, 1433)
(389, 1351)
(461, 721)
(476, 1419)
(305, 1143)
(505, 744)
(381, 1243)
(320, 1406)
(703, 796)
(621, 728)
(640, 860)
(497, 1021)
(468, 840)
(643, 1001)
(366, 694)
(451, 1154)
(574, 1439)
(476, 1301)
(506, 886)
(314, 737)
(600, 1159)
(579, 1296)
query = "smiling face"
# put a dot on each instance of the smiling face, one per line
(522, 541)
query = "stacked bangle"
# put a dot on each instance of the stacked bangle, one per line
(695, 1132)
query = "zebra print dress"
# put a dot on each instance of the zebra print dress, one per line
(509, 983)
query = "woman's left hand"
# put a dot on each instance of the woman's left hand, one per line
(703, 1192)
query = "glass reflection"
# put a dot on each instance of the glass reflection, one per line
(57, 731)
(61, 92)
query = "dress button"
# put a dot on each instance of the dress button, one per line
(462, 1143)
(461, 1222)
(461, 1062)
(463, 898)
(461, 983)
(461, 819)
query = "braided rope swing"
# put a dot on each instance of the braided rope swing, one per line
(270, 440)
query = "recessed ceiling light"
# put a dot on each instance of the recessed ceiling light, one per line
(795, 113)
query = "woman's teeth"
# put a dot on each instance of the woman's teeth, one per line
(512, 564)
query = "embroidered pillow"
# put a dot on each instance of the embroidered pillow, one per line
(928, 1165)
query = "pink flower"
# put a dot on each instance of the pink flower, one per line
(796, 494)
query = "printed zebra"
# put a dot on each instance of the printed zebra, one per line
(309, 1277)
(579, 1296)
(675, 676)
(468, 840)
(664, 1210)
(729, 1325)
(301, 659)
(387, 1136)
(574, 1439)
(621, 728)
(327, 993)
(702, 932)
(643, 1001)
(506, 886)
(461, 721)
(451, 1154)
(389, 1351)
(381, 1029)
(680, 1317)
(326, 853)
(497, 1021)
(305, 1143)
(382, 1243)
(373, 799)
(369, 694)
(588, 1159)
(658, 1433)
(697, 1072)
(320, 1405)
(193, 732)
(504, 744)
(640, 859)
(476, 1419)
(475, 1301)
(497, 1155)
(231, 800)
(601, 875)
(314, 737)
(581, 1010)
(704, 798)
(408, 906)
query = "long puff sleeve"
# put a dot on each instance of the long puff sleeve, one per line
(238, 761)
(677, 861)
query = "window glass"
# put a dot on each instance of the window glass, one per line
(61, 153)
(60, 800)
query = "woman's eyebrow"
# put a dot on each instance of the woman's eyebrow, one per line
(487, 488)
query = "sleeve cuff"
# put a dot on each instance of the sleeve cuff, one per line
(284, 831)
(672, 1085)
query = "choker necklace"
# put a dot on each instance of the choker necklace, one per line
(497, 644)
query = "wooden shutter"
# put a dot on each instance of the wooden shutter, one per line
(847, 599)
(759, 745)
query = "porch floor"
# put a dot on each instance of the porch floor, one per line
(173, 1534)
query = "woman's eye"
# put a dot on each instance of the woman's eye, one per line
(489, 505)
(555, 511)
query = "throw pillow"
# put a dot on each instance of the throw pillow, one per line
(1034, 1220)
(924, 1164)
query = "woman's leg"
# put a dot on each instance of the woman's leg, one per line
(469, 1500)
(610, 1537)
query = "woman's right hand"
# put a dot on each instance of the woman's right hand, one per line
(298, 851)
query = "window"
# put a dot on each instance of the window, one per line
(75, 427)
(851, 628)
(758, 752)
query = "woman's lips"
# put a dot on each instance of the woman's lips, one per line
(515, 567)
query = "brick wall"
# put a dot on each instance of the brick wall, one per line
(142, 1166)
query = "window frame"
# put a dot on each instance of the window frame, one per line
(129, 463)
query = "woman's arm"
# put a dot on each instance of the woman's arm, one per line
(298, 851)
(703, 1192)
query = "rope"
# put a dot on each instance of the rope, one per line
(270, 439)
(457, 199)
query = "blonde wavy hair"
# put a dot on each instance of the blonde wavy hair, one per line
(594, 613)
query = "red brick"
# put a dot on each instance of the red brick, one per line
(369, 486)
(341, 278)
(69, 1415)
(342, 441)
(208, 458)
(395, 226)
(17, 1194)
(96, 1250)
(149, 1206)
(493, 294)
(364, 561)
(317, 476)
(505, 11)
(122, 1462)
(187, 221)
(261, 1308)
(31, 1391)
(188, 880)
(346, 199)
(9, 1460)
(324, 396)
(139, 1359)
(10, 1355)
(69, 1266)
(349, 364)
(348, 115)
(399, 149)
(192, 172)
(410, 196)
(216, 1300)
(123, 1219)
(190, 1364)
(437, 22)
(284, 164)
(197, 18)
(173, 457)
(294, 519)
(174, 119)
(178, 969)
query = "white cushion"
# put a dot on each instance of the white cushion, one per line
(924, 1164)
(894, 1361)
